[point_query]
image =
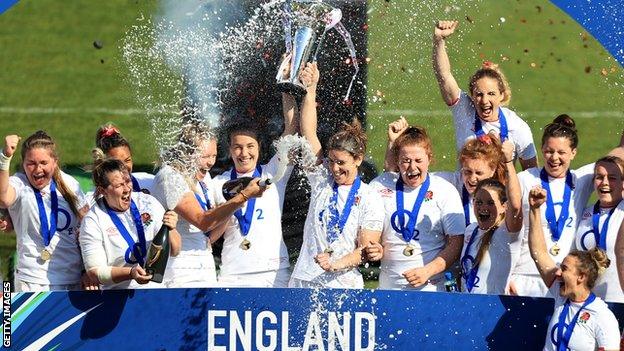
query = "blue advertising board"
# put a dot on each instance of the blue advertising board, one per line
(277, 319)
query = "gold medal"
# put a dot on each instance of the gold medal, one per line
(554, 250)
(245, 244)
(329, 250)
(408, 251)
(46, 255)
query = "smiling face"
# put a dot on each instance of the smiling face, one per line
(207, 157)
(413, 161)
(343, 166)
(558, 153)
(487, 207)
(244, 150)
(473, 170)
(487, 98)
(117, 192)
(123, 154)
(570, 279)
(39, 165)
(608, 183)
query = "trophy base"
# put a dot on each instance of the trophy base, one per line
(291, 88)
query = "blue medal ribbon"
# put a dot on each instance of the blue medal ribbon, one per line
(337, 221)
(556, 225)
(563, 337)
(466, 203)
(135, 184)
(47, 232)
(469, 267)
(137, 249)
(205, 205)
(244, 221)
(504, 130)
(408, 231)
(600, 233)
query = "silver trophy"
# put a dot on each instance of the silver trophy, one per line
(310, 19)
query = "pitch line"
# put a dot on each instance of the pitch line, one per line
(375, 112)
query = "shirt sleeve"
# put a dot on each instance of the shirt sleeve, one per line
(373, 215)
(169, 187)
(278, 170)
(608, 332)
(91, 243)
(525, 147)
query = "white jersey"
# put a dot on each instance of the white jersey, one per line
(65, 264)
(455, 178)
(194, 265)
(596, 326)
(519, 131)
(366, 213)
(440, 215)
(103, 245)
(607, 286)
(145, 182)
(504, 251)
(267, 251)
(583, 187)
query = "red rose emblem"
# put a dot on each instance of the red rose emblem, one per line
(428, 195)
(145, 217)
(585, 316)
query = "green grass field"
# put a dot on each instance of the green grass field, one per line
(53, 78)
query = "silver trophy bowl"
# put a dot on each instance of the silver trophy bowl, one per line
(310, 21)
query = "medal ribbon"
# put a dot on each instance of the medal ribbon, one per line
(466, 203)
(337, 221)
(601, 233)
(137, 249)
(47, 232)
(556, 225)
(135, 184)
(563, 338)
(244, 221)
(504, 130)
(469, 268)
(408, 231)
(204, 205)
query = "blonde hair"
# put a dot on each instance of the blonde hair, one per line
(592, 263)
(491, 70)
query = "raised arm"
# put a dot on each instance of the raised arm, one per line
(7, 192)
(395, 129)
(310, 77)
(289, 109)
(513, 214)
(441, 63)
(537, 244)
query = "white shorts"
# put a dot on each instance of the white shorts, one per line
(529, 285)
(22, 286)
(190, 271)
(392, 281)
(269, 279)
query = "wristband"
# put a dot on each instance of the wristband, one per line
(104, 275)
(5, 162)
(244, 196)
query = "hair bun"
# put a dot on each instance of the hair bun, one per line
(600, 257)
(489, 65)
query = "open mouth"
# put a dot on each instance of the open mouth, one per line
(486, 111)
(412, 176)
(484, 216)
(605, 190)
(203, 170)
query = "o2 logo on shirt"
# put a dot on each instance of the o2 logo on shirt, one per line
(64, 224)
(396, 225)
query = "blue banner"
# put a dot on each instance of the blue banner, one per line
(277, 319)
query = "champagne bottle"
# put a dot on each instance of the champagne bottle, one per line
(235, 186)
(158, 255)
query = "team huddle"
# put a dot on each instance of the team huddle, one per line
(530, 233)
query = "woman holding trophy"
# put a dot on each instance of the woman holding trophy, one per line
(345, 215)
